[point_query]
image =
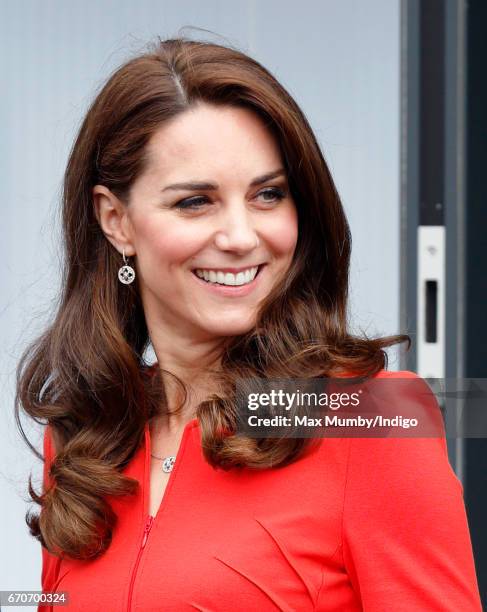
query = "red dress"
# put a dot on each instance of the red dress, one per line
(374, 524)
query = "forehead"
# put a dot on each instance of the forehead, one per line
(208, 140)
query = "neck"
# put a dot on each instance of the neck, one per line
(199, 383)
(193, 359)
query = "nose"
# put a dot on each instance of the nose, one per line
(236, 231)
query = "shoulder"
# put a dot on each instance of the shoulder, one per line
(404, 459)
(395, 474)
(379, 453)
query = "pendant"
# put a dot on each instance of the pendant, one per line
(168, 464)
(126, 275)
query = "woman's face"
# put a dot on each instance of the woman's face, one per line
(212, 207)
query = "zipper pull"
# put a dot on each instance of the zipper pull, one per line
(148, 525)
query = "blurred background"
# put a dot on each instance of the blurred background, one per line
(396, 94)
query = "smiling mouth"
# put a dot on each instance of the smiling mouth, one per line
(228, 279)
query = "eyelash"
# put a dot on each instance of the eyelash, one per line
(278, 193)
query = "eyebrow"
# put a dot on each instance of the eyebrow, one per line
(207, 186)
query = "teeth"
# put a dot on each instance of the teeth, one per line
(228, 278)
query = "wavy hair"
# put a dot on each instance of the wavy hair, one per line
(86, 376)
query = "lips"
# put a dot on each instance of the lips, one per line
(232, 270)
(228, 278)
(230, 290)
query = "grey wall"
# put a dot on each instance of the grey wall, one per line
(340, 60)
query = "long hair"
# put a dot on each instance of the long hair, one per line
(86, 376)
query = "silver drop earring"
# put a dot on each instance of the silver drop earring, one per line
(126, 273)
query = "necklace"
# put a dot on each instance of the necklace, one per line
(167, 462)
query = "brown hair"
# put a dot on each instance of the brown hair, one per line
(86, 376)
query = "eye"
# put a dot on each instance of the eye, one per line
(273, 193)
(270, 195)
(195, 202)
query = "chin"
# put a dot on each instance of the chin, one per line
(232, 326)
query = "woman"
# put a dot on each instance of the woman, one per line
(200, 216)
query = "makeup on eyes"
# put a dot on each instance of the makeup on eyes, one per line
(195, 202)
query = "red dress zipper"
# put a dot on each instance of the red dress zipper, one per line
(147, 528)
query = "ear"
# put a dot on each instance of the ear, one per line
(113, 219)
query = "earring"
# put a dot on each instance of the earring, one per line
(126, 273)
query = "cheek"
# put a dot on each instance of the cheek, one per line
(167, 242)
(281, 232)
